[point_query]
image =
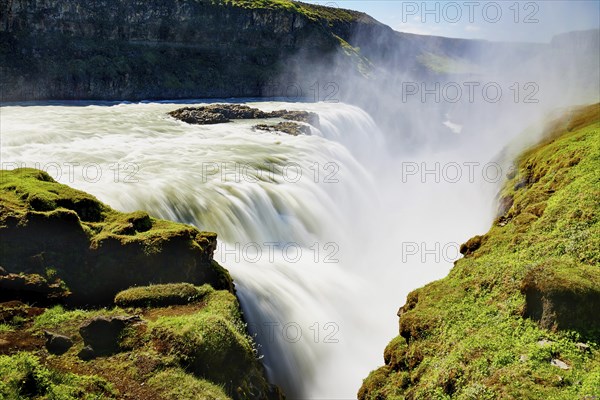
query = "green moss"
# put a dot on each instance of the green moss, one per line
(26, 189)
(161, 295)
(474, 334)
(211, 343)
(177, 384)
(60, 320)
(199, 350)
(207, 343)
(311, 11)
(118, 249)
(226, 305)
(24, 377)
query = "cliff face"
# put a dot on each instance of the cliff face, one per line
(107, 251)
(161, 49)
(517, 317)
(116, 49)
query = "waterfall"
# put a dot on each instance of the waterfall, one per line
(312, 228)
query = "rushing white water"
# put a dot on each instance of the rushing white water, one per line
(324, 234)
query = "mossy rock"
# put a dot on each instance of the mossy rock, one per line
(108, 251)
(177, 384)
(32, 288)
(161, 295)
(373, 387)
(25, 377)
(472, 245)
(563, 295)
(210, 345)
(394, 354)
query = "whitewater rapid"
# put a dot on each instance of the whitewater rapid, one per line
(312, 228)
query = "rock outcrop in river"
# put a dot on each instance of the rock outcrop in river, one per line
(222, 113)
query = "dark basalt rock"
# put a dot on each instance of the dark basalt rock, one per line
(199, 117)
(103, 334)
(560, 296)
(87, 353)
(221, 113)
(291, 128)
(216, 113)
(57, 344)
(300, 116)
(504, 205)
(31, 288)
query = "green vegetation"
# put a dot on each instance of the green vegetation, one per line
(176, 384)
(167, 340)
(311, 11)
(518, 316)
(24, 377)
(67, 322)
(161, 295)
(109, 251)
(196, 350)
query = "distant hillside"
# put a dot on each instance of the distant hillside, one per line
(517, 317)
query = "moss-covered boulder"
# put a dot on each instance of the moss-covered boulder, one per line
(517, 317)
(52, 230)
(213, 344)
(161, 295)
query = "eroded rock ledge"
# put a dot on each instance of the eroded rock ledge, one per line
(59, 233)
(223, 113)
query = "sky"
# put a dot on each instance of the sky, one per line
(509, 20)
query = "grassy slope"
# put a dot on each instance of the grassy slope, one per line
(465, 336)
(199, 350)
